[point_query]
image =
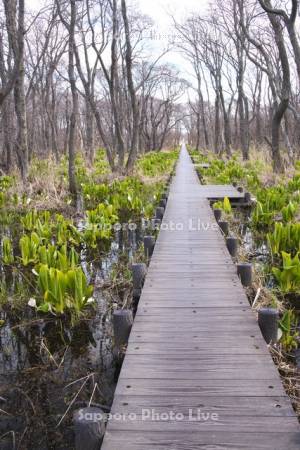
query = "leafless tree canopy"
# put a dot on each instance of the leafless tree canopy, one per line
(78, 75)
(245, 59)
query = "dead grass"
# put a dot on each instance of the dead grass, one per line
(289, 374)
(46, 187)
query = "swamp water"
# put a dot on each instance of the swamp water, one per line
(48, 365)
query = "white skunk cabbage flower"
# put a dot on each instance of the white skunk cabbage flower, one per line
(32, 302)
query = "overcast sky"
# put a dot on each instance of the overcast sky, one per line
(160, 11)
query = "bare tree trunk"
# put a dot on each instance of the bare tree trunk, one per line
(276, 122)
(75, 104)
(7, 126)
(294, 40)
(197, 146)
(244, 125)
(285, 87)
(227, 127)
(19, 95)
(90, 132)
(285, 133)
(134, 108)
(16, 34)
(203, 115)
(16, 42)
(239, 23)
(73, 118)
(217, 124)
(258, 121)
(52, 118)
(290, 25)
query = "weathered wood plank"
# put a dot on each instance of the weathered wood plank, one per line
(200, 441)
(200, 388)
(256, 424)
(224, 406)
(191, 338)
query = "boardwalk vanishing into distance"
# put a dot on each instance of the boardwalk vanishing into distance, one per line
(197, 373)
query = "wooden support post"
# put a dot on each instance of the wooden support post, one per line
(268, 323)
(224, 227)
(245, 273)
(247, 197)
(139, 271)
(156, 223)
(232, 245)
(297, 358)
(138, 236)
(132, 236)
(89, 428)
(138, 276)
(122, 323)
(149, 243)
(159, 213)
(217, 214)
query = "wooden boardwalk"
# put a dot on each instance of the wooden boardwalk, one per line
(195, 346)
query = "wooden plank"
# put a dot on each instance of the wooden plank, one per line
(224, 406)
(199, 373)
(175, 348)
(200, 389)
(146, 313)
(229, 424)
(193, 338)
(200, 440)
(195, 363)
